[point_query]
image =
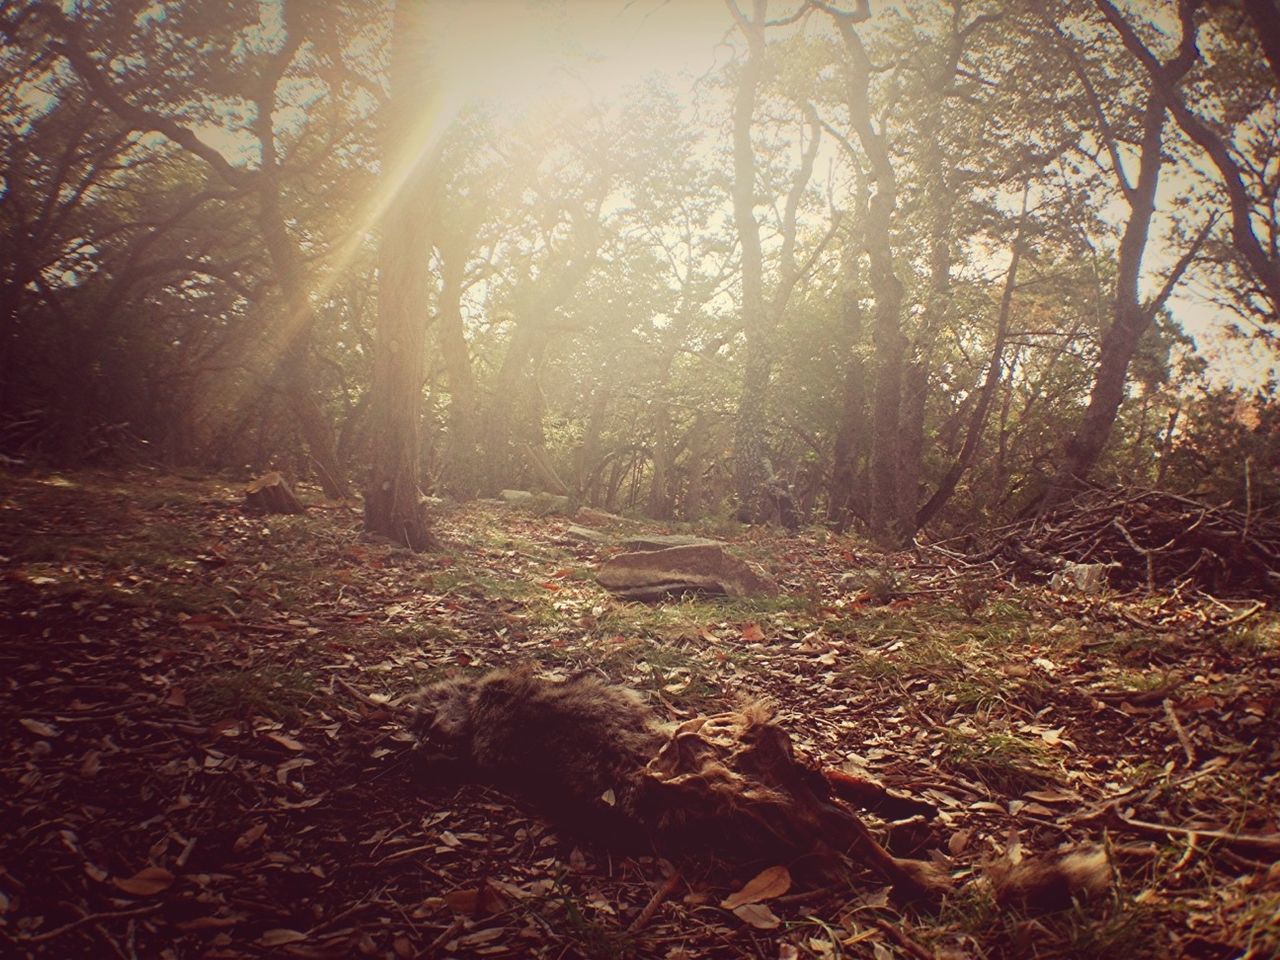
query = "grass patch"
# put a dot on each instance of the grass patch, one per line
(1003, 762)
(267, 692)
(480, 583)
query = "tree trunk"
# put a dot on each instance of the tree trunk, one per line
(393, 505)
(986, 393)
(462, 469)
(890, 344)
(1130, 320)
(749, 452)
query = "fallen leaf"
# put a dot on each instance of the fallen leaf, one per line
(479, 937)
(146, 882)
(38, 728)
(752, 633)
(757, 915)
(249, 837)
(208, 923)
(91, 764)
(1053, 796)
(765, 885)
(280, 936)
(287, 742)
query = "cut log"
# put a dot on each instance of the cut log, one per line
(655, 574)
(270, 494)
(666, 541)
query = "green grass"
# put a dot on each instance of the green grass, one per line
(267, 691)
(1007, 764)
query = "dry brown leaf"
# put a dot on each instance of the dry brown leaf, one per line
(38, 728)
(752, 633)
(480, 936)
(767, 884)
(280, 936)
(91, 764)
(146, 882)
(757, 915)
(287, 742)
(208, 923)
(249, 837)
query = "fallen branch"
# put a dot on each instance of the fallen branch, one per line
(89, 918)
(644, 916)
(1187, 746)
(1269, 842)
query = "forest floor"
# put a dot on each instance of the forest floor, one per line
(202, 754)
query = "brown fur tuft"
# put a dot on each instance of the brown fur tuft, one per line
(1041, 886)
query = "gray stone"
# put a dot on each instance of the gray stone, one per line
(585, 533)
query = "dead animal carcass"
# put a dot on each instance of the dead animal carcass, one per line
(596, 759)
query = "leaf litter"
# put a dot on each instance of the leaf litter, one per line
(205, 756)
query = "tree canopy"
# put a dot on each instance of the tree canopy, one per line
(907, 266)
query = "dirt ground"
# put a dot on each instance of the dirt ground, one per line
(203, 752)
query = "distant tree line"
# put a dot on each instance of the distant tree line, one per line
(918, 267)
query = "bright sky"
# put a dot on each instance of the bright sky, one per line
(514, 51)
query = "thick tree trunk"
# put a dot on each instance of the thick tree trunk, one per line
(393, 505)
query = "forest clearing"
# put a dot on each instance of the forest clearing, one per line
(204, 757)
(640, 479)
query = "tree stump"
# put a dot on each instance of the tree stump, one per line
(270, 494)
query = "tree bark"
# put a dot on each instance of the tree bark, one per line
(749, 452)
(393, 505)
(889, 342)
(1131, 318)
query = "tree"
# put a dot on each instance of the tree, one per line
(392, 500)
(265, 183)
(1131, 316)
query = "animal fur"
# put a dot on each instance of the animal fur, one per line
(1040, 886)
(595, 758)
(574, 748)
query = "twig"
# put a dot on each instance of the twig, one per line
(366, 699)
(89, 918)
(1239, 617)
(1185, 740)
(1269, 842)
(644, 916)
(448, 934)
(902, 940)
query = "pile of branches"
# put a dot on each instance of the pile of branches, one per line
(1153, 539)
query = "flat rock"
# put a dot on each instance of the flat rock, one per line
(591, 517)
(666, 541)
(697, 568)
(515, 496)
(585, 534)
